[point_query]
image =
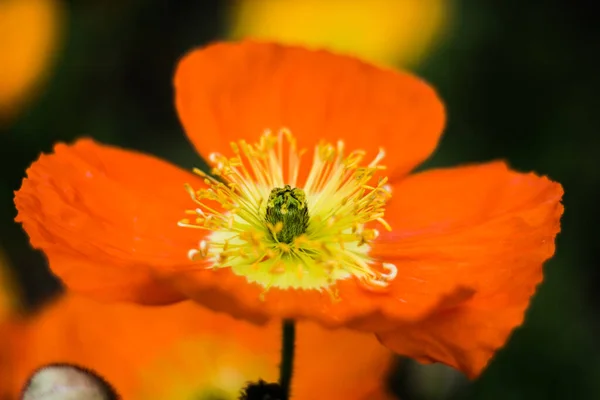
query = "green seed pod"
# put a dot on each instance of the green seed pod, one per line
(288, 207)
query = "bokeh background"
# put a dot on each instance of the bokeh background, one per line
(520, 83)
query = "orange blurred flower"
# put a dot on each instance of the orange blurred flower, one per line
(396, 32)
(447, 282)
(29, 31)
(184, 351)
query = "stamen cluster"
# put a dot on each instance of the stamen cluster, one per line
(278, 233)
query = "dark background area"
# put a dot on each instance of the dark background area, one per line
(520, 83)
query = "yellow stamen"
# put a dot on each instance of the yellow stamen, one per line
(266, 226)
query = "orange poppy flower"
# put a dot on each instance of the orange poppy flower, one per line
(184, 351)
(440, 264)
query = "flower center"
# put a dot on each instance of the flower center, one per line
(287, 213)
(280, 234)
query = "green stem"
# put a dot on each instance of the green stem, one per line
(286, 368)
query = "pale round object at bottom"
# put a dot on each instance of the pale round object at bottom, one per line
(64, 383)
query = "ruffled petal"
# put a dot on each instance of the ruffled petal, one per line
(105, 216)
(354, 305)
(232, 91)
(483, 231)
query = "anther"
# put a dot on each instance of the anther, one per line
(203, 248)
(393, 272)
(192, 254)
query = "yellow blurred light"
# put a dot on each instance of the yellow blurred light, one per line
(29, 31)
(206, 368)
(391, 32)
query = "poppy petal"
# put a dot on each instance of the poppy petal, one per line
(482, 229)
(355, 307)
(232, 91)
(104, 216)
(339, 364)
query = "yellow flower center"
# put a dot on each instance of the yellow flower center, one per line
(279, 234)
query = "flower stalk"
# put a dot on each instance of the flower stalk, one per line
(288, 347)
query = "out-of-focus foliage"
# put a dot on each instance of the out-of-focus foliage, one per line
(520, 83)
(29, 36)
(397, 32)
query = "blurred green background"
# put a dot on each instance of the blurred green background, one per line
(520, 83)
